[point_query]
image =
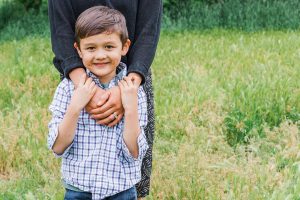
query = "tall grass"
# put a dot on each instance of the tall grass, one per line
(25, 164)
(201, 81)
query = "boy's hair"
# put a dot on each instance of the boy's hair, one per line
(99, 19)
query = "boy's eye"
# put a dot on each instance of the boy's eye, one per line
(90, 48)
(109, 46)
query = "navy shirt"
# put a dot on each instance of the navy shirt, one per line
(143, 18)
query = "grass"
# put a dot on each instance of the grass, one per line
(227, 112)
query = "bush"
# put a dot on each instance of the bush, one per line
(8, 11)
(17, 23)
(246, 15)
(31, 4)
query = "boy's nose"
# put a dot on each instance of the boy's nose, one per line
(100, 55)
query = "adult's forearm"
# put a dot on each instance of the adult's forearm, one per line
(147, 31)
(62, 23)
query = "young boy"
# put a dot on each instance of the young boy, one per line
(99, 162)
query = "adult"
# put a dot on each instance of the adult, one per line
(143, 18)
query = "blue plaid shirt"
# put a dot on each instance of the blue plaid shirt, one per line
(98, 160)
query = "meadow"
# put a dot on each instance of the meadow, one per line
(227, 116)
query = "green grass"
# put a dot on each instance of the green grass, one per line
(227, 113)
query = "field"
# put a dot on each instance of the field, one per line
(227, 117)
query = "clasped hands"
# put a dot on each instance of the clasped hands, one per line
(106, 106)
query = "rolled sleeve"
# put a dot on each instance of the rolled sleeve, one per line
(142, 145)
(70, 64)
(58, 109)
(53, 133)
(141, 141)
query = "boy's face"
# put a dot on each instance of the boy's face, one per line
(102, 53)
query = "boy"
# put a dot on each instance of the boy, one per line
(98, 161)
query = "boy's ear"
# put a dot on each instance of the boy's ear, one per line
(125, 47)
(78, 49)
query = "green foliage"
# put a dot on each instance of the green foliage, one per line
(239, 126)
(30, 4)
(9, 11)
(25, 17)
(24, 24)
(292, 114)
(238, 14)
(6, 101)
(190, 14)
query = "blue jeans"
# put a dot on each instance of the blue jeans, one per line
(129, 194)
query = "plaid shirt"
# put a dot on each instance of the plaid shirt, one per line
(98, 160)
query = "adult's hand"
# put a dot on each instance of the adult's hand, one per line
(100, 96)
(109, 110)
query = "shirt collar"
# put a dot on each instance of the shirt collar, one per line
(120, 73)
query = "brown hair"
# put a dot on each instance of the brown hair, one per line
(99, 19)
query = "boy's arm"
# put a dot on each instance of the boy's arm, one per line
(132, 129)
(67, 128)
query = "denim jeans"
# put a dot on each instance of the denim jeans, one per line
(129, 194)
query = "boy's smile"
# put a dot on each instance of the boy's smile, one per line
(101, 54)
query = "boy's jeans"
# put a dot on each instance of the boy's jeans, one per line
(129, 194)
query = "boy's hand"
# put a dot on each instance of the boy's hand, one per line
(136, 78)
(129, 95)
(109, 110)
(83, 93)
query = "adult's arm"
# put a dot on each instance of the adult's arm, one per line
(62, 19)
(147, 30)
(62, 24)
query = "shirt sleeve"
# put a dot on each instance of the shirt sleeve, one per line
(142, 141)
(147, 30)
(62, 24)
(58, 109)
